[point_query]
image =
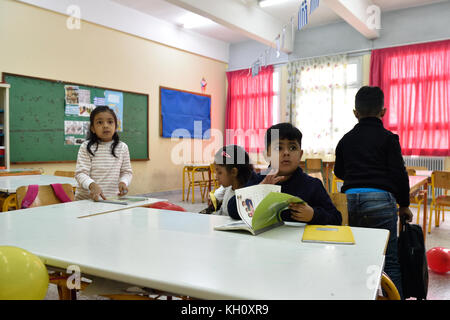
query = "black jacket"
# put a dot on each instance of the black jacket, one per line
(305, 187)
(369, 156)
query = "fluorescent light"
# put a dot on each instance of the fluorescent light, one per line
(192, 20)
(268, 3)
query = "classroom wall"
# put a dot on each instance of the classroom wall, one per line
(399, 27)
(36, 42)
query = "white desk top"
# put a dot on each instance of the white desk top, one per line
(180, 252)
(76, 209)
(11, 183)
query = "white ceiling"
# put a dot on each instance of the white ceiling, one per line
(171, 13)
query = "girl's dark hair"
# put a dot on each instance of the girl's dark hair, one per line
(92, 137)
(233, 156)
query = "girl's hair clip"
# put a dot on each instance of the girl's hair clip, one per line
(226, 155)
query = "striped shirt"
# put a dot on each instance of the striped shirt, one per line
(104, 169)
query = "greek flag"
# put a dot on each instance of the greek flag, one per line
(314, 5)
(303, 15)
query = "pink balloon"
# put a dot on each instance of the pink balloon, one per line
(439, 259)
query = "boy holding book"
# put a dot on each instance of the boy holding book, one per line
(283, 149)
(369, 160)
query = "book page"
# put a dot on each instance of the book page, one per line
(269, 210)
(250, 197)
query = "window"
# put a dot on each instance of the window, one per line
(322, 99)
(415, 80)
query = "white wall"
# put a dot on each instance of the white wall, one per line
(418, 24)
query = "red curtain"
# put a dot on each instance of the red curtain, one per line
(249, 108)
(415, 80)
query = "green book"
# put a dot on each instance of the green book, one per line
(260, 207)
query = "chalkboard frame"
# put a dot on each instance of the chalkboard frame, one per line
(65, 82)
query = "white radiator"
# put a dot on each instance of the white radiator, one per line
(431, 163)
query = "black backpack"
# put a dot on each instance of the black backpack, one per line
(413, 261)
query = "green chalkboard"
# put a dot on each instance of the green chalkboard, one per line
(37, 114)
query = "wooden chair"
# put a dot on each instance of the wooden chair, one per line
(45, 195)
(416, 200)
(334, 183)
(196, 177)
(70, 174)
(439, 179)
(389, 289)
(340, 202)
(416, 168)
(314, 165)
(213, 181)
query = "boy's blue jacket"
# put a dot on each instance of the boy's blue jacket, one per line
(305, 187)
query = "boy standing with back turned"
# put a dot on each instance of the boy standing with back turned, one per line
(369, 160)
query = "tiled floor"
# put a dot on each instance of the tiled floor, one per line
(439, 285)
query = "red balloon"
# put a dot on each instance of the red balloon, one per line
(165, 205)
(439, 259)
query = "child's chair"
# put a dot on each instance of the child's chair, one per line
(334, 183)
(194, 179)
(314, 165)
(439, 179)
(46, 196)
(213, 181)
(60, 173)
(415, 200)
(340, 202)
(389, 289)
(416, 168)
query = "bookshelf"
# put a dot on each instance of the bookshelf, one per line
(4, 126)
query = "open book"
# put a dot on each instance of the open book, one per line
(328, 234)
(125, 200)
(260, 207)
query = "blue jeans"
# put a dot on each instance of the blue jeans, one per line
(378, 210)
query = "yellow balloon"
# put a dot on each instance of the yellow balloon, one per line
(23, 276)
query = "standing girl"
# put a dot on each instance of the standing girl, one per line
(103, 165)
(233, 170)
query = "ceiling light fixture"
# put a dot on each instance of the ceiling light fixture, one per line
(192, 20)
(268, 3)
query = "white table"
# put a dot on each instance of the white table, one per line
(9, 185)
(180, 252)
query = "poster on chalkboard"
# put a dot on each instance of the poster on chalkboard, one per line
(114, 100)
(71, 95)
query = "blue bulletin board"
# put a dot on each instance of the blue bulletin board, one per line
(184, 114)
